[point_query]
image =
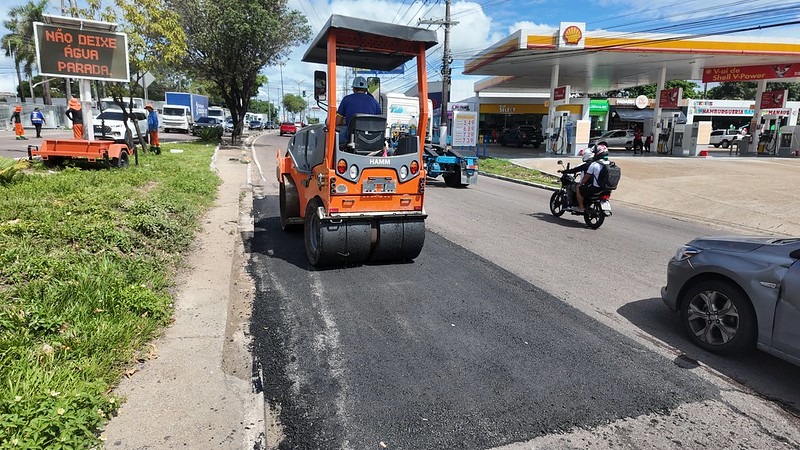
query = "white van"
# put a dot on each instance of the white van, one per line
(176, 118)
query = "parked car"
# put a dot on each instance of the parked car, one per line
(724, 138)
(255, 125)
(520, 135)
(288, 128)
(738, 293)
(228, 127)
(615, 139)
(110, 125)
(206, 122)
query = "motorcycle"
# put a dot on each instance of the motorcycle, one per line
(597, 207)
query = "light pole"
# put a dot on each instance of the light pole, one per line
(299, 82)
(283, 108)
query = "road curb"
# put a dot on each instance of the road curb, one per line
(514, 180)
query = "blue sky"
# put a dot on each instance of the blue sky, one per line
(484, 22)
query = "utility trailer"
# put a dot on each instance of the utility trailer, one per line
(456, 169)
(356, 201)
(53, 152)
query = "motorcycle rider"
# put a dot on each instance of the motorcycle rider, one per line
(588, 156)
(589, 184)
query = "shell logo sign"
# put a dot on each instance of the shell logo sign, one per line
(571, 35)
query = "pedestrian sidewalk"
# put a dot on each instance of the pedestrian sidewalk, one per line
(198, 390)
(742, 194)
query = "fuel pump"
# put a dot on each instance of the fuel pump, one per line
(789, 144)
(559, 137)
(770, 133)
(666, 135)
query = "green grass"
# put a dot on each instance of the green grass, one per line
(497, 166)
(87, 260)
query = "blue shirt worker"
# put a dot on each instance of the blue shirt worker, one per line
(359, 102)
(37, 119)
(152, 129)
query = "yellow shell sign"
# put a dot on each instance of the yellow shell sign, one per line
(572, 35)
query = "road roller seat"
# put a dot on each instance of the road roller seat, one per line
(366, 133)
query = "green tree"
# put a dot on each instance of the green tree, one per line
(230, 41)
(746, 90)
(19, 43)
(155, 38)
(649, 90)
(294, 103)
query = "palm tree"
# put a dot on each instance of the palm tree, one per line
(20, 23)
(11, 45)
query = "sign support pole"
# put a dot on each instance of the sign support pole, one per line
(85, 87)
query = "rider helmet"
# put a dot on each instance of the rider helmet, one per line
(359, 83)
(600, 152)
(588, 154)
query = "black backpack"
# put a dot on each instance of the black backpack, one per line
(609, 176)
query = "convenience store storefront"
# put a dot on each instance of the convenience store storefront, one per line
(501, 116)
(725, 114)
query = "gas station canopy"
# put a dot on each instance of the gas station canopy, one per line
(605, 61)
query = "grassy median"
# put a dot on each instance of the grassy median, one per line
(503, 167)
(87, 261)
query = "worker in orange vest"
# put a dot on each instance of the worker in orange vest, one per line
(75, 114)
(16, 119)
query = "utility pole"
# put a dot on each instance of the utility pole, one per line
(447, 59)
(283, 108)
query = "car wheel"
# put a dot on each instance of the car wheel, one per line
(725, 144)
(719, 317)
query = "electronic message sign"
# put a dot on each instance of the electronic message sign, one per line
(72, 52)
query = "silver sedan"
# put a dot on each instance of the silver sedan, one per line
(738, 293)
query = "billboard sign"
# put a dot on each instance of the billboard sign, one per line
(561, 95)
(71, 52)
(465, 128)
(670, 97)
(396, 71)
(774, 99)
(750, 73)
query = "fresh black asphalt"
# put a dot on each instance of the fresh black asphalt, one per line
(449, 351)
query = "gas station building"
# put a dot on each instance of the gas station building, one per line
(546, 81)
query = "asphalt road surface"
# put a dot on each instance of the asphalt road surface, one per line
(512, 328)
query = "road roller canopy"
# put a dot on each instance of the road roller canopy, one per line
(367, 44)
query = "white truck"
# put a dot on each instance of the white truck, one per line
(176, 118)
(219, 113)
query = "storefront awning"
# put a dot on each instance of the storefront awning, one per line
(641, 115)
